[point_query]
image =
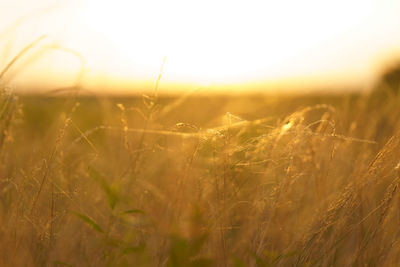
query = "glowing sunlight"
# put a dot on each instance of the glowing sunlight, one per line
(207, 43)
(227, 41)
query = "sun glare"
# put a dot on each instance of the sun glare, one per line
(225, 41)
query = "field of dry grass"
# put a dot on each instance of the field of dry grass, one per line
(200, 181)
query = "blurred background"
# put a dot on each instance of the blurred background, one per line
(219, 46)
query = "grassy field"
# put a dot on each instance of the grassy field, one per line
(263, 180)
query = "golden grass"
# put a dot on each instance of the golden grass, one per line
(199, 181)
(219, 181)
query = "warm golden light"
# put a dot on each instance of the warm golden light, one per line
(214, 43)
(227, 41)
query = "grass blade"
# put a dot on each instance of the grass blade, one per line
(90, 222)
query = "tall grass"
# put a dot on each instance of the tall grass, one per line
(200, 181)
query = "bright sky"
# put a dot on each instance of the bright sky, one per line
(208, 42)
